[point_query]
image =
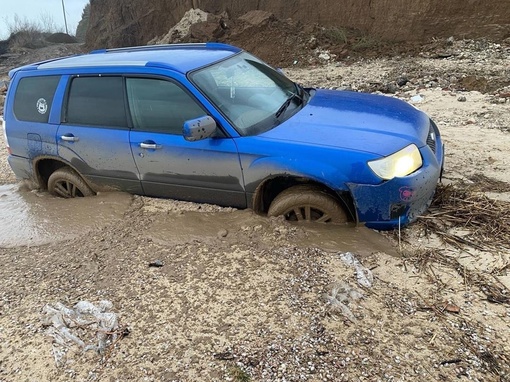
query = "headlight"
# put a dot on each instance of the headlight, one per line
(401, 163)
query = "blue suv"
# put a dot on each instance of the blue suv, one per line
(212, 123)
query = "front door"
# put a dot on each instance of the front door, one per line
(206, 171)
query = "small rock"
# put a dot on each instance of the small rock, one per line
(401, 81)
(461, 99)
(156, 264)
(222, 233)
(389, 88)
(452, 308)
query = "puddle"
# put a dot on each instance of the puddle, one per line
(359, 240)
(34, 218)
(244, 226)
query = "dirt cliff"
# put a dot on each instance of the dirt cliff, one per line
(134, 22)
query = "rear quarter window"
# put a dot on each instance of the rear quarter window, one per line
(33, 98)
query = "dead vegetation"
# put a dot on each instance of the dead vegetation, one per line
(34, 34)
(462, 215)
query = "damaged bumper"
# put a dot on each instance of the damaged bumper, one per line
(399, 201)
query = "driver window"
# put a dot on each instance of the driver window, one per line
(160, 106)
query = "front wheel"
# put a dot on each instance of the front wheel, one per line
(307, 203)
(66, 183)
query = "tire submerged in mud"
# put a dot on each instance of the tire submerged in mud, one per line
(66, 183)
(308, 203)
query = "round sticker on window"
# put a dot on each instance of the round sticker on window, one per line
(42, 106)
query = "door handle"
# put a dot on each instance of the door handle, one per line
(150, 145)
(69, 138)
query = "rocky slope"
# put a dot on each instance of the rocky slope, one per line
(134, 22)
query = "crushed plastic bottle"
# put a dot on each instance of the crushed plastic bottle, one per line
(85, 320)
(364, 275)
(339, 298)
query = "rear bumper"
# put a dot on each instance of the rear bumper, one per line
(399, 201)
(22, 167)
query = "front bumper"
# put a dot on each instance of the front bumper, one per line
(399, 201)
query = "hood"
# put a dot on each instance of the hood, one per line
(375, 124)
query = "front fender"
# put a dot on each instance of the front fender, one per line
(259, 170)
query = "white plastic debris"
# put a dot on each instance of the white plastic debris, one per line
(417, 98)
(364, 275)
(324, 56)
(339, 298)
(89, 326)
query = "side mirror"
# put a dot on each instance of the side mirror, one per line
(199, 128)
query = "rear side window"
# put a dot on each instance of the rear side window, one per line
(97, 101)
(33, 99)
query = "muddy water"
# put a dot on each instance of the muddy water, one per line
(247, 227)
(33, 218)
(359, 240)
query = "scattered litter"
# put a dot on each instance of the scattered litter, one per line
(156, 264)
(91, 327)
(417, 98)
(340, 296)
(363, 274)
(324, 56)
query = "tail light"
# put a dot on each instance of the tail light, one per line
(2, 126)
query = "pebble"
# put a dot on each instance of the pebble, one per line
(222, 233)
(401, 81)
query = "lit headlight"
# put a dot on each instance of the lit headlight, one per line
(401, 163)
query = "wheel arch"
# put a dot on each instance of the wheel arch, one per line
(269, 188)
(44, 166)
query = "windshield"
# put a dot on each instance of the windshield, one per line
(251, 94)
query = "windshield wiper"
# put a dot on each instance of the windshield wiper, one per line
(303, 93)
(286, 104)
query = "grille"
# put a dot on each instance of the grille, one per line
(431, 136)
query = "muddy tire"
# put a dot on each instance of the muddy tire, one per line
(66, 183)
(307, 203)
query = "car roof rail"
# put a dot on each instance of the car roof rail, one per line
(210, 45)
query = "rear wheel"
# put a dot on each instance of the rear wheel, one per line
(66, 183)
(307, 203)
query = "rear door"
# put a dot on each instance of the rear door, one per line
(94, 135)
(204, 171)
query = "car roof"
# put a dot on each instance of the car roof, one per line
(178, 57)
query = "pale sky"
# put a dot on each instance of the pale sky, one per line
(37, 11)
